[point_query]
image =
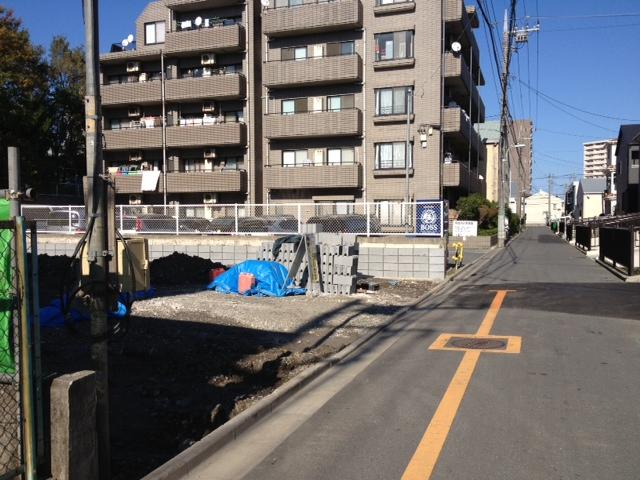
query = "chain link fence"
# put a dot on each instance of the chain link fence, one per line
(11, 461)
(366, 219)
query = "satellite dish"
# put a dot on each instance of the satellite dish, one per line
(265, 3)
(130, 38)
(456, 47)
(125, 42)
(198, 21)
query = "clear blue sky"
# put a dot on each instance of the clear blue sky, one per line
(590, 63)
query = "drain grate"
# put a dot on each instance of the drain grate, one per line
(477, 343)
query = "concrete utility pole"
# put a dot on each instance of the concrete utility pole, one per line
(98, 253)
(521, 36)
(14, 181)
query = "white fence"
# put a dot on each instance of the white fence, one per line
(371, 219)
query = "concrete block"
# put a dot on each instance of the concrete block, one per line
(375, 265)
(420, 268)
(436, 261)
(421, 252)
(390, 251)
(405, 259)
(228, 249)
(389, 273)
(192, 250)
(376, 250)
(204, 251)
(74, 440)
(419, 275)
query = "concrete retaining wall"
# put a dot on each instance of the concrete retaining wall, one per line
(476, 243)
(383, 257)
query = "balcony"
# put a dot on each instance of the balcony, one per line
(401, 6)
(458, 78)
(460, 24)
(188, 182)
(313, 16)
(314, 124)
(324, 176)
(457, 175)
(137, 93)
(220, 87)
(313, 71)
(214, 39)
(218, 134)
(132, 139)
(220, 181)
(459, 129)
(191, 5)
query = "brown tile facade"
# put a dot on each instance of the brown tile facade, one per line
(339, 58)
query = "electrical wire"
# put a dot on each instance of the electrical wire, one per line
(580, 17)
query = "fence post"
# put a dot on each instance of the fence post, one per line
(367, 208)
(299, 218)
(176, 206)
(235, 215)
(69, 218)
(632, 241)
(121, 208)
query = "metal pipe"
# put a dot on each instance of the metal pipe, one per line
(164, 132)
(26, 385)
(470, 125)
(407, 194)
(14, 180)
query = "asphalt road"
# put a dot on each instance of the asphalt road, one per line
(567, 406)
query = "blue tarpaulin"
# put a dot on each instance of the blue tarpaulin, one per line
(271, 279)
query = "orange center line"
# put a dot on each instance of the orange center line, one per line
(423, 461)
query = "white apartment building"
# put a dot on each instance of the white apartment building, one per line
(597, 156)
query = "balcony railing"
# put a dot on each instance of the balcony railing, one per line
(458, 76)
(458, 126)
(457, 175)
(312, 16)
(203, 40)
(314, 124)
(322, 176)
(313, 71)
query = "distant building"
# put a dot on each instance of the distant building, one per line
(628, 169)
(570, 200)
(536, 208)
(597, 156)
(490, 134)
(590, 197)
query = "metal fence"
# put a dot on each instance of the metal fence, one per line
(618, 245)
(20, 393)
(427, 218)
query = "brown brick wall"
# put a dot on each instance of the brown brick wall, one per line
(314, 124)
(342, 176)
(313, 18)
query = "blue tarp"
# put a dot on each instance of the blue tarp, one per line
(271, 279)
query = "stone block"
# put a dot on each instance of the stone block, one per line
(74, 440)
(405, 259)
(390, 252)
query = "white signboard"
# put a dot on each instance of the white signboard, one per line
(465, 228)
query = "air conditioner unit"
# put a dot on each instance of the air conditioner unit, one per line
(209, 107)
(134, 111)
(133, 67)
(135, 199)
(208, 59)
(210, 153)
(135, 156)
(210, 198)
(143, 77)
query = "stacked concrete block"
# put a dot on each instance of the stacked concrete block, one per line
(402, 261)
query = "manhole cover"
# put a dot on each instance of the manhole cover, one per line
(477, 343)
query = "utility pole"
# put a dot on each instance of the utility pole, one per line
(98, 249)
(521, 36)
(407, 155)
(14, 181)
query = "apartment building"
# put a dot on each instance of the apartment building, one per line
(210, 149)
(597, 156)
(347, 82)
(296, 100)
(521, 162)
(628, 169)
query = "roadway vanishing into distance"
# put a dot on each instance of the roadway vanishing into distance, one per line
(527, 370)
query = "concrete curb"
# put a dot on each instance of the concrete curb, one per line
(185, 461)
(618, 273)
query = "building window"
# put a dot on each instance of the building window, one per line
(391, 155)
(154, 33)
(287, 3)
(341, 156)
(340, 102)
(295, 158)
(392, 101)
(634, 156)
(341, 48)
(394, 45)
(294, 105)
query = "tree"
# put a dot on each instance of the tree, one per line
(476, 207)
(66, 111)
(23, 97)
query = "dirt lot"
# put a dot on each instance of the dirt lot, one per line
(193, 359)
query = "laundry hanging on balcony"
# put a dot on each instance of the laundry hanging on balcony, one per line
(150, 180)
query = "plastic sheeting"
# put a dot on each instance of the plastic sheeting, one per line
(271, 280)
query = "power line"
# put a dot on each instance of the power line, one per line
(609, 117)
(593, 27)
(579, 17)
(575, 116)
(557, 132)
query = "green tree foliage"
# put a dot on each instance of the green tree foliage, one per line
(66, 110)
(23, 96)
(476, 207)
(41, 106)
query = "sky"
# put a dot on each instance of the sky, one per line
(585, 56)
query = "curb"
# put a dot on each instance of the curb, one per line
(185, 461)
(618, 273)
